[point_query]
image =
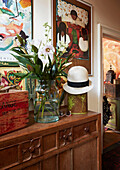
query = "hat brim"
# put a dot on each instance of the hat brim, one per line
(81, 90)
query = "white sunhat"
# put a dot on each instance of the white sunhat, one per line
(77, 81)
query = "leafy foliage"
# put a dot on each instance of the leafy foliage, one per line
(42, 61)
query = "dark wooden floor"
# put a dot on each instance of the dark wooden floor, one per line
(110, 137)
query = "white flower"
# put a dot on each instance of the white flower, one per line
(46, 50)
(43, 54)
(44, 60)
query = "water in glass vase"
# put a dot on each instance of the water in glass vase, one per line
(46, 105)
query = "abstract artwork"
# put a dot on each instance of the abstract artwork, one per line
(15, 18)
(72, 26)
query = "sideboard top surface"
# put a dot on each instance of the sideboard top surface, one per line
(43, 128)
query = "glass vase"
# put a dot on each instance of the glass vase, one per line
(46, 104)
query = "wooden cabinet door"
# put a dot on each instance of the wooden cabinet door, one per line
(49, 164)
(36, 166)
(85, 156)
(65, 162)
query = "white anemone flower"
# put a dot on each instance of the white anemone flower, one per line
(44, 60)
(43, 54)
(46, 50)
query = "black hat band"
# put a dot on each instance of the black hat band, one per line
(78, 84)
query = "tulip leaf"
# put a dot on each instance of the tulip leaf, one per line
(23, 60)
(27, 56)
(17, 50)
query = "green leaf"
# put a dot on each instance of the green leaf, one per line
(22, 75)
(23, 60)
(24, 42)
(45, 24)
(66, 60)
(50, 63)
(34, 49)
(55, 57)
(34, 76)
(17, 50)
(60, 63)
(30, 68)
(27, 56)
(28, 75)
(62, 97)
(38, 69)
(38, 61)
(64, 74)
(20, 39)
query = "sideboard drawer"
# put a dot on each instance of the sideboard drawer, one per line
(84, 129)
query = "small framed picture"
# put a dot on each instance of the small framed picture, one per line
(72, 25)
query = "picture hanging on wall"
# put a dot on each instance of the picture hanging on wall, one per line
(15, 18)
(72, 25)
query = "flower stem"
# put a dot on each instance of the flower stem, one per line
(43, 107)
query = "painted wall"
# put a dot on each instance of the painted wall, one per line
(106, 12)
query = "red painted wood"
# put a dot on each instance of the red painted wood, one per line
(4, 109)
(14, 96)
(14, 111)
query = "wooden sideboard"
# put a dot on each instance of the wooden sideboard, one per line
(72, 143)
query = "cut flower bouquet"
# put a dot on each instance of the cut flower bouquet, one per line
(41, 61)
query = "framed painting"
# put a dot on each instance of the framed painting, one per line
(15, 18)
(72, 25)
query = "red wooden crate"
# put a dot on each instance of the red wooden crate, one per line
(14, 110)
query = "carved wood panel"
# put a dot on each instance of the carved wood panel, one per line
(65, 137)
(30, 149)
